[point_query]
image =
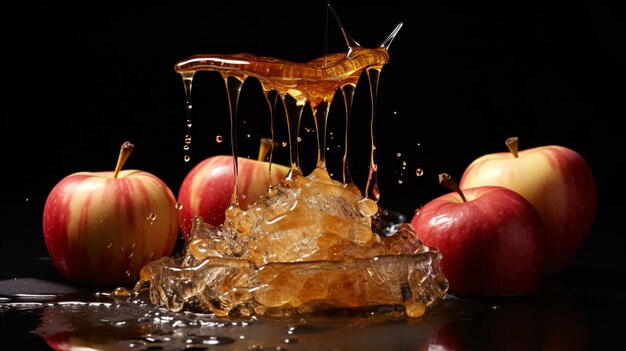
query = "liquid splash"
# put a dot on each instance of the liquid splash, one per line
(307, 245)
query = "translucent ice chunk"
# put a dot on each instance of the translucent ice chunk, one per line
(306, 245)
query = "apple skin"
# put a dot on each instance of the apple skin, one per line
(101, 230)
(492, 245)
(208, 187)
(557, 181)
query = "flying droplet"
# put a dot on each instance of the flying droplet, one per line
(186, 147)
(186, 158)
(219, 139)
(284, 144)
(400, 181)
(399, 154)
(419, 172)
(188, 140)
(247, 135)
(299, 139)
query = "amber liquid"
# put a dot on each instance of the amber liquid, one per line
(307, 244)
(298, 85)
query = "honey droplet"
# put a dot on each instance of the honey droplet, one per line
(120, 292)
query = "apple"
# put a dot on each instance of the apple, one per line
(557, 181)
(207, 190)
(491, 239)
(101, 228)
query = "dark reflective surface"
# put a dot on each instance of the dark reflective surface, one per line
(564, 314)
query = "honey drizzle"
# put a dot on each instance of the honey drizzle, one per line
(314, 82)
(271, 96)
(348, 97)
(187, 81)
(233, 89)
(371, 188)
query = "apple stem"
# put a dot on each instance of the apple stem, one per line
(448, 182)
(125, 151)
(512, 144)
(264, 148)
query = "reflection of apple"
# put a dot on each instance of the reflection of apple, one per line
(102, 227)
(549, 319)
(557, 181)
(208, 188)
(491, 239)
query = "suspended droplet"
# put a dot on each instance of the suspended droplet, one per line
(419, 172)
(399, 154)
(284, 144)
(299, 139)
(247, 135)
(400, 181)
(219, 139)
(178, 206)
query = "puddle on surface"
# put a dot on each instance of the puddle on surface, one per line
(99, 322)
(552, 318)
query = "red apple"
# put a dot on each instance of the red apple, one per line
(491, 239)
(557, 181)
(102, 227)
(207, 189)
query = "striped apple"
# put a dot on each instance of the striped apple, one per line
(559, 183)
(101, 228)
(207, 189)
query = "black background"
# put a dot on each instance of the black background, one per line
(80, 80)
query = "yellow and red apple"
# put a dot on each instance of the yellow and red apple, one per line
(101, 228)
(491, 239)
(557, 181)
(207, 190)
